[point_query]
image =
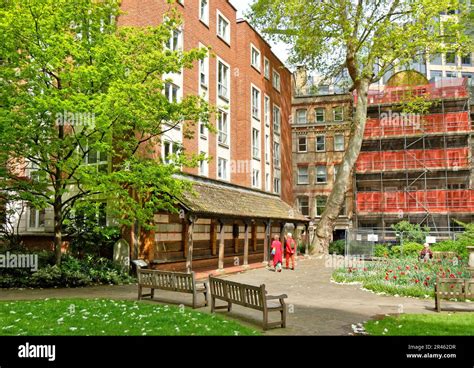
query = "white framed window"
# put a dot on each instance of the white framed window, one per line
(320, 143)
(169, 149)
(204, 72)
(276, 154)
(276, 119)
(223, 128)
(223, 27)
(222, 168)
(256, 103)
(175, 41)
(276, 185)
(303, 205)
(255, 144)
(266, 68)
(266, 110)
(204, 11)
(276, 80)
(171, 92)
(255, 57)
(320, 114)
(339, 144)
(267, 148)
(36, 218)
(303, 175)
(302, 144)
(223, 80)
(301, 116)
(320, 205)
(203, 166)
(321, 175)
(97, 159)
(267, 182)
(256, 178)
(338, 113)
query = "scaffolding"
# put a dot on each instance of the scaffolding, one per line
(412, 167)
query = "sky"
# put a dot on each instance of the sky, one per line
(280, 49)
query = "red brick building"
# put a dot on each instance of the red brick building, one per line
(250, 153)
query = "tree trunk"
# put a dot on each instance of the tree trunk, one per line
(325, 226)
(58, 229)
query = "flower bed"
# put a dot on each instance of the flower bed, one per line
(405, 277)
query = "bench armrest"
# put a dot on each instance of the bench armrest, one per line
(273, 297)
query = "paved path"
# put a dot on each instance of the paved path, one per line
(317, 306)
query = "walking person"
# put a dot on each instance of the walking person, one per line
(290, 251)
(277, 250)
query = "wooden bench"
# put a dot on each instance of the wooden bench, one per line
(444, 255)
(171, 281)
(254, 297)
(454, 288)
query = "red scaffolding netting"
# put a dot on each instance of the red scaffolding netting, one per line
(435, 201)
(395, 124)
(444, 88)
(451, 158)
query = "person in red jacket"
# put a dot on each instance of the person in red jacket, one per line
(290, 251)
(277, 250)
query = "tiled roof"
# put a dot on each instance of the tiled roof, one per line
(221, 200)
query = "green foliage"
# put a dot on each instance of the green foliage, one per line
(456, 246)
(381, 250)
(337, 247)
(411, 232)
(72, 272)
(76, 89)
(88, 232)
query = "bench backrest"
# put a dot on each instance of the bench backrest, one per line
(246, 295)
(450, 288)
(444, 255)
(166, 280)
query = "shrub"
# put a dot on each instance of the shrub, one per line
(72, 272)
(457, 246)
(412, 249)
(337, 247)
(381, 250)
(411, 232)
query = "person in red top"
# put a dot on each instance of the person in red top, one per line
(290, 251)
(277, 250)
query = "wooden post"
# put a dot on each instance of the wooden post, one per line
(235, 238)
(213, 239)
(265, 242)
(221, 247)
(246, 245)
(189, 258)
(254, 237)
(184, 237)
(306, 241)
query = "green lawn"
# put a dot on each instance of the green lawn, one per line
(442, 324)
(103, 317)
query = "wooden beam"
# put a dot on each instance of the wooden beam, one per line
(213, 239)
(221, 247)
(254, 237)
(266, 242)
(189, 259)
(246, 245)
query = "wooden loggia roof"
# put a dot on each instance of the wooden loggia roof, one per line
(215, 199)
